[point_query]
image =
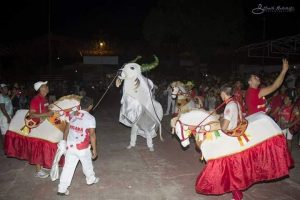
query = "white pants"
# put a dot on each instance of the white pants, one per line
(287, 134)
(171, 105)
(72, 157)
(3, 125)
(134, 131)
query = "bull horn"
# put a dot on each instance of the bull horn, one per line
(136, 59)
(148, 67)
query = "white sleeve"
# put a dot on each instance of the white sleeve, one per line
(92, 123)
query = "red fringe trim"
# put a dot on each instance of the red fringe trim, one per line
(266, 161)
(34, 150)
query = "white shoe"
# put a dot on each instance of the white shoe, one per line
(166, 114)
(95, 181)
(45, 169)
(41, 174)
(129, 147)
(151, 148)
(66, 193)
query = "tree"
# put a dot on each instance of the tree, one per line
(203, 28)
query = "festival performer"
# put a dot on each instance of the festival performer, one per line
(232, 112)
(170, 102)
(138, 109)
(190, 86)
(255, 96)
(6, 109)
(79, 137)
(276, 102)
(236, 155)
(239, 94)
(38, 112)
(289, 116)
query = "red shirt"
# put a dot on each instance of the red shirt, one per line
(193, 93)
(238, 96)
(253, 103)
(276, 102)
(39, 104)
(286, 114)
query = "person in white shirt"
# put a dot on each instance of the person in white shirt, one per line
(80, 136)
(230, 119)
(6, 109)
(171, 101)
(231, 111)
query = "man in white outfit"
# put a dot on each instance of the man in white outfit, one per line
(171, 101)
(232, 112)
(79, 136)
(6, 109)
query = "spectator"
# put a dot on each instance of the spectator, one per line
(6, 109)
(289, 116)
(255, 96)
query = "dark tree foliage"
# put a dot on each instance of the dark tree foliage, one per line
(202, 28)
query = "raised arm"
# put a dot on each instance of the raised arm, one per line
(277, 83)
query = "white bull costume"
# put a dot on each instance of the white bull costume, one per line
(235, 163)
(139, 110)
(39, 146)
(184, 101)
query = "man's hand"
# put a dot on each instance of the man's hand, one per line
(94, 154)
(285, 64)
(50, 113)
(62, 145)
(118, 82)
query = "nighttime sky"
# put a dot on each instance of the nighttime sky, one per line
(21, 20)
(27, 19)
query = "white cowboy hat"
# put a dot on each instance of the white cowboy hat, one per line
(38, 84)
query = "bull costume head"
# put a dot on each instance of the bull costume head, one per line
(133, 70)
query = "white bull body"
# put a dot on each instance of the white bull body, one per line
(216, 145)
(139, 110)
(39, 144)
(235, 163)
(45, 130)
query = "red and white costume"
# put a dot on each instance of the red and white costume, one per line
(35, 147)
(39, 146)
(40, 105)
(276, 102)
(78, 149)
(286, 115)
(239, 97)
(233, 165)
(253, 102)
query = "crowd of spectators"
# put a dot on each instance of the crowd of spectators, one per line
(207, 86)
